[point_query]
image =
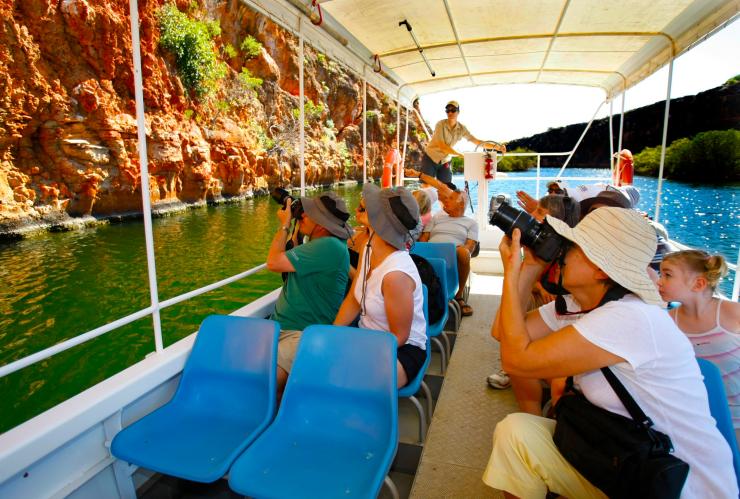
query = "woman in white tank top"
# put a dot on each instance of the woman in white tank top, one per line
(386, 292)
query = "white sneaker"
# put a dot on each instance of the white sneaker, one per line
(499, 380)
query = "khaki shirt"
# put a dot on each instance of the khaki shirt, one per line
(450, 136)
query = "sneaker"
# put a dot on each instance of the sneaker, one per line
(499, 380)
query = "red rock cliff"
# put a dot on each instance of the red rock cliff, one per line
(68, 142)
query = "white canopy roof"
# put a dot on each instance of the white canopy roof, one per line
(612, 44)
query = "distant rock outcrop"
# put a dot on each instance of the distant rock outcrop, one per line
(715, 109)
(68, 137)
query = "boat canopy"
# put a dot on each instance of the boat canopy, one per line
(431, 46)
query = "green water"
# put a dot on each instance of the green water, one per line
(57, 286)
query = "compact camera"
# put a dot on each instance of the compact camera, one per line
(541, 238)
(282, 197)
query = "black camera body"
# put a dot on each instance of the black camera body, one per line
(541, 238)
(282, 197)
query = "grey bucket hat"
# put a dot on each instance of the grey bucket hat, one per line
(329, 211)
(393, 214)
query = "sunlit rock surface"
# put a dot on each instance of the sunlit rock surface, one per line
(68, 137)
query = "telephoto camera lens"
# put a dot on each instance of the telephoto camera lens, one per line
(539, 237)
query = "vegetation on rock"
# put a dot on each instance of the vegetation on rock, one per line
(191, 42)
(708, 155)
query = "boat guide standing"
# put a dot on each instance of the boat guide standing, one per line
(439, 150)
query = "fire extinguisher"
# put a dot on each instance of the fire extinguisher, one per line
(488, 165)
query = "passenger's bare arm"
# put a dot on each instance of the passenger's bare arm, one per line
(277, 261)
(444, 191)
(398, 296)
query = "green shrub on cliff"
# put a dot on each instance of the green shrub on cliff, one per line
(248, 81)
(251, 47)
(191, 42)
(712, 156)
(312, 111)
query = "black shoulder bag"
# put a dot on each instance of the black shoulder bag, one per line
(625, 458)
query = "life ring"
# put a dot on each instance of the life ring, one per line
(624, 170)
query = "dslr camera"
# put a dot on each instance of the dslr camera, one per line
(541, 238)
(282, 197)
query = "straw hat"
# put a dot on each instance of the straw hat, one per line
(620, 242)
(329, 211)
(393, 214)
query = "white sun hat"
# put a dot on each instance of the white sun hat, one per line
(620, 242)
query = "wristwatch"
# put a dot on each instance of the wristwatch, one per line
(286, 228)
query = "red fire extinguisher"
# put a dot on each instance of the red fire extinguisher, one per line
(489, 165)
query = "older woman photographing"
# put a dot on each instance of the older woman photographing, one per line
(610, 319)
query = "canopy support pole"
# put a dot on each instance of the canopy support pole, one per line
(301, 106)
(621, 122)
(364, 130)
(143, 161)
(736, 285)
(580, 139)
(402, 166)
(611, 139)
(663, 142)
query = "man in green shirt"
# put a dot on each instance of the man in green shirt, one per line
(316, 271)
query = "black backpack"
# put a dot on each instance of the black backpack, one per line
(437, 302)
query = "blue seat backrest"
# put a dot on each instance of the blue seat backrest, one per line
(228, 350)
(720, 408)
(341, 367)
(447, 252)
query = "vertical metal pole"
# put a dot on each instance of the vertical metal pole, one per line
(398, 121)
(736, 285)
(364, 130)
(399, 177)
(145, 199)
(611, 139)
(302, 114)
(579, 140)
(621, 121)
(665, 138)
(537, 189)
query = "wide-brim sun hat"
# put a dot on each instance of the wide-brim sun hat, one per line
(585, 191)
(620, 242)
(393, 214)
(613, 198)
(330, 211)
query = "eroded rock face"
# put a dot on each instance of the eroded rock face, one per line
(68, 135)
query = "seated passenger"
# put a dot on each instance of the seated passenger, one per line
(452, 226)
(610, 319)
(316, 271)
(711, 323)
(528, 391)
(386, 292)
(425, 206)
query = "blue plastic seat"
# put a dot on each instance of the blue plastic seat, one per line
(225, 399)
(720, 408)
(434, 331)
(336, 432)
(448, 253)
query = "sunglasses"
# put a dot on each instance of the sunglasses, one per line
(451, 110)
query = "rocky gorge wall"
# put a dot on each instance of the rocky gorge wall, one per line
(68, 143)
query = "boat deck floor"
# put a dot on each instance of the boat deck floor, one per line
(458, 444)
(458, 441)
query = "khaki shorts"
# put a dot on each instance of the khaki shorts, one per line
(287, 347)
